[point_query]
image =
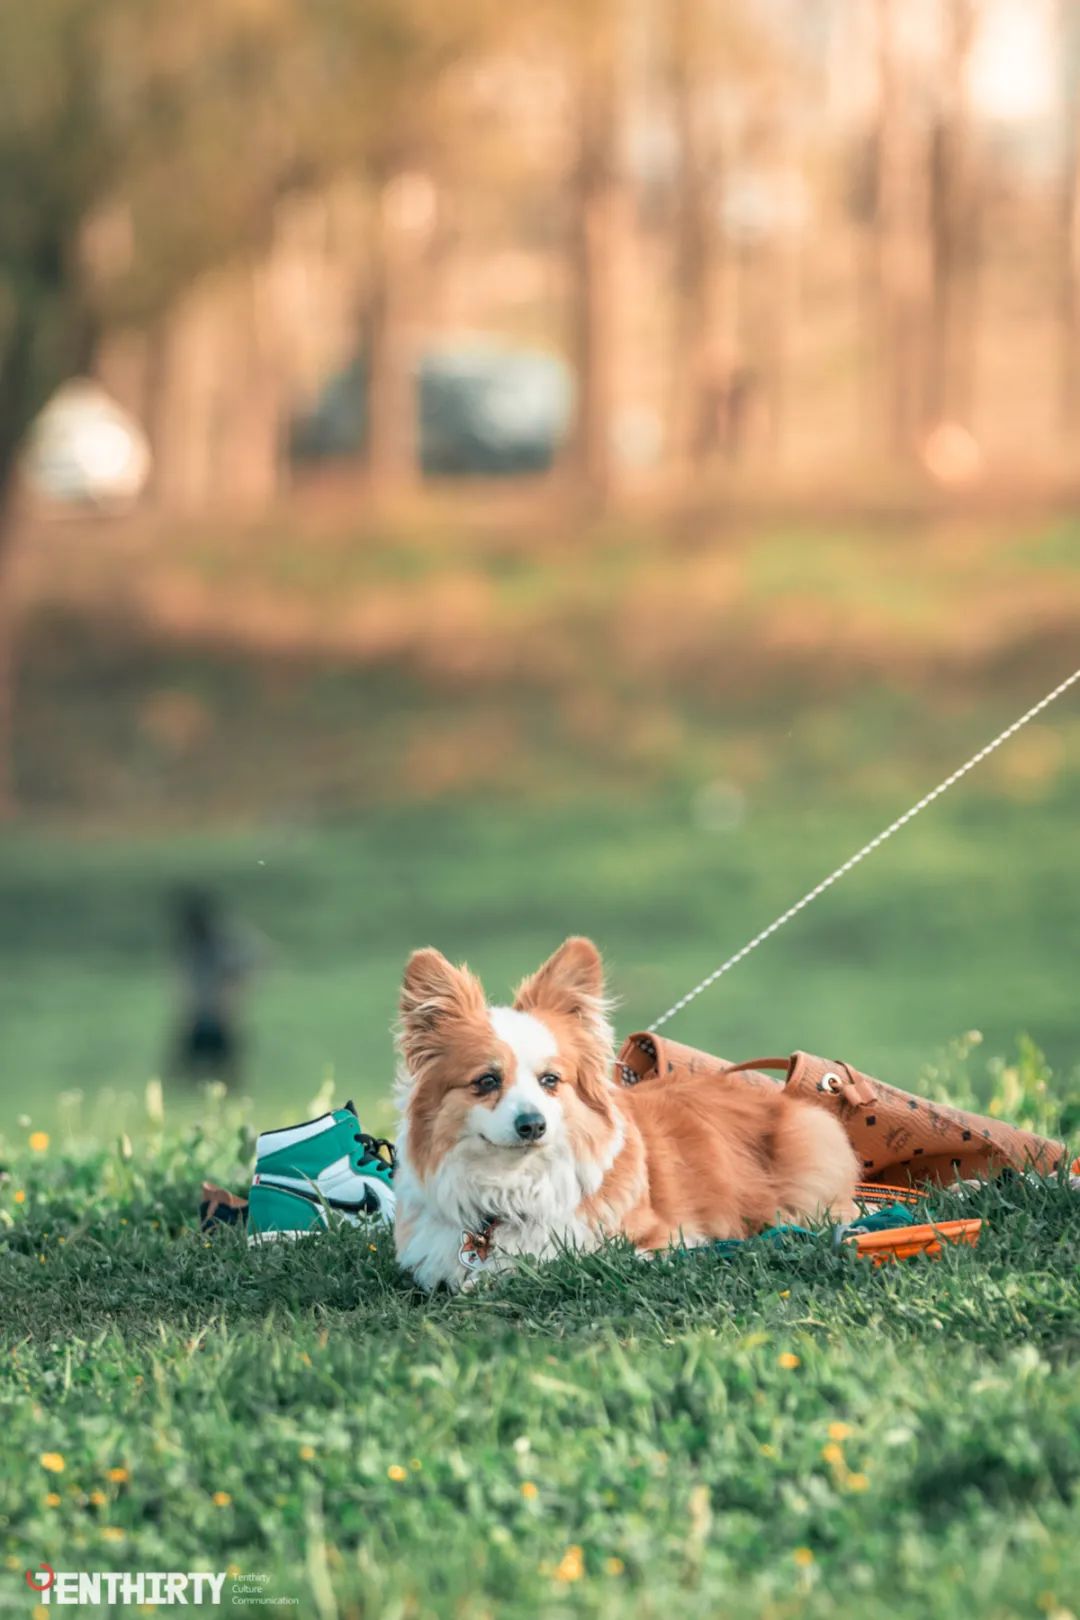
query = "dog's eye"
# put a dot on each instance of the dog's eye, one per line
(549, 1081)
(485, 1084)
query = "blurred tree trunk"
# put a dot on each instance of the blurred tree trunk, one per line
(213, 396)
(1070, 281)
(177, 410)
(782, 271)
(48, 336)
(597, 243)
(899, 270)
(16, 378)
(392, 452)
(785, 275)
(250, 465)
(8, 797)
(955, 226)
(702, 351)
(692, 243)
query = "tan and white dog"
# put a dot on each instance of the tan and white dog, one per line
(515, 1139)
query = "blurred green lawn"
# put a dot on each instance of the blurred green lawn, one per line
(968, 920)
(657, 736)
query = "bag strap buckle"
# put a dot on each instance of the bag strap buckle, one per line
(841, 1080)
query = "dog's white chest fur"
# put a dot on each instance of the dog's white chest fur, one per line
(532, 1197)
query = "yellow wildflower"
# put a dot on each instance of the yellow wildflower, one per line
(52, 1461)
(840, 1431)
(571, 1566)
(788, 1360)
(833, 1455)
(52, 1500)
(529, 1490)
(221, 1499)
(307, 1453)
(614, 1566)
(20, 1196)
(857, 1482)
(112, 1532)
(117, 1475)
(39, 1141)
(395, 1472)
(803, 1557)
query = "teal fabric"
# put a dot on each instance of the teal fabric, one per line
(776, 1235)
(878, 1220)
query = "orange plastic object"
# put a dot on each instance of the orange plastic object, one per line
(904, 1241)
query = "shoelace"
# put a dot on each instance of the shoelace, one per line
(373, 1146)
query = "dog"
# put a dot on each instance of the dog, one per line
(516, 1140)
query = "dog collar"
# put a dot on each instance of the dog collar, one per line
(476, 1246)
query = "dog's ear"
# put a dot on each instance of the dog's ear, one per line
(434, 994)
(570, 981)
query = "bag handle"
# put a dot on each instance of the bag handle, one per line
(837, 1080)
(784, 1063)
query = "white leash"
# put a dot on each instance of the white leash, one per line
(901, 821)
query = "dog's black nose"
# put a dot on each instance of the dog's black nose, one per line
(530, 1127)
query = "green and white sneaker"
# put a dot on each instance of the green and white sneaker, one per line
(304, 1172)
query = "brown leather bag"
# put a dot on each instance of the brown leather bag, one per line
(899, 1138)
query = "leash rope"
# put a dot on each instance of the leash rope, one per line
(867, 849)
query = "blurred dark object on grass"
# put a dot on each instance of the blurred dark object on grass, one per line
(216, 958)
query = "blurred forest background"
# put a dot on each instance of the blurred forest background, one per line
(474, 473)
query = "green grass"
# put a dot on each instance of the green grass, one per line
(303, 1413)
(489, 735)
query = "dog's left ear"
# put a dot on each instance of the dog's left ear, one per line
(572, 982)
